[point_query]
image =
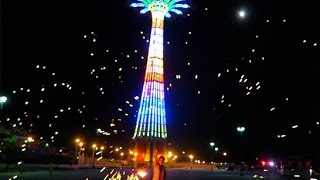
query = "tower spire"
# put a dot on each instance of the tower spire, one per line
(151, 130)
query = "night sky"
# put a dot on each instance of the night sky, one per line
(71, 67)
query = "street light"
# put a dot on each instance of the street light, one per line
(175, 160)
(131, 157)
(77, 143)
(169, 157)
(241, 129)
(211, 145)
(80, 144)
(93, 149)
(102, 148)
(121, 154)
(81, 154)
(3, 99)
(191, 157)
(30, 140)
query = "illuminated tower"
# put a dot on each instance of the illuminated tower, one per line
(149, 139)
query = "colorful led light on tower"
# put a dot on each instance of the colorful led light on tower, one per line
(151, 120)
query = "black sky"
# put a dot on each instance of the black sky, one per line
(52, 33)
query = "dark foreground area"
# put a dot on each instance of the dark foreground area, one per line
(101, 173)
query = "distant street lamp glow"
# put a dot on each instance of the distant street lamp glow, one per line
(30, 139)
(121, 154)
(77, 143)
(241, 129)
(93, 149)
(191, 157)
(211, 145)
(242, 14)
(3, 99)
(102, 148)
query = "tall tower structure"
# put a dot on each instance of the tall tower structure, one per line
(150, 135)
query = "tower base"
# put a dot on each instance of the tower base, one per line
(146, 150)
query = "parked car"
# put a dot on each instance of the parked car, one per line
(291, 171)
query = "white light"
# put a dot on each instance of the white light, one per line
(3, 99)
(142, 173)
(271, 163)
(242, 14)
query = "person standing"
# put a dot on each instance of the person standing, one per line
(159, 171)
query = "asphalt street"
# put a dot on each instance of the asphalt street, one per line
(113, 174)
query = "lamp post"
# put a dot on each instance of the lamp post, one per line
(135, 157)
(131, 157)
(3, 99)
(211, 146)
(175, 160)
(30, 140)
(169, 157)
(93, 149)
(77, 143)
(191, 157)
(241, 129)
(121, 154)
(102, 148)
(81, 157)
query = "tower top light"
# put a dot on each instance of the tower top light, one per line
(162, 6)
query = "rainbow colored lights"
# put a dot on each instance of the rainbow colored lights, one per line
(162, 6)
(151, 120)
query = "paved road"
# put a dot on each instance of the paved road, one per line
(100, 174)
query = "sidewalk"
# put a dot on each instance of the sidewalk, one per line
(34, 167)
